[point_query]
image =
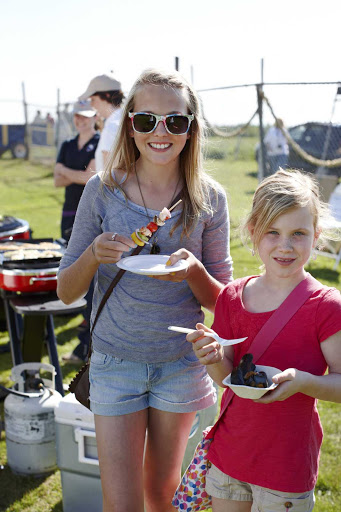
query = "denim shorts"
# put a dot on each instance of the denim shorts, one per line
(121, 387)
(220, 485)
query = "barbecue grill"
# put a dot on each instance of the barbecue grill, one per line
(30, 275)
(28, 289)
(12, 228)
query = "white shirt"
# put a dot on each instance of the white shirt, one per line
(107, 137)
(275, 142)
(335, 203)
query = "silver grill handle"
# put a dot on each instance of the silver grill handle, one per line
(34, 279)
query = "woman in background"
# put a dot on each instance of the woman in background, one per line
(75, 163)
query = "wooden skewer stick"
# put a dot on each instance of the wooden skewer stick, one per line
(174, 205)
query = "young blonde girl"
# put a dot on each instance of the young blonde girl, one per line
(265, 452)
(145, 378)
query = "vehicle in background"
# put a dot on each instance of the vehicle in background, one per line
(320, 140)
(12, 138)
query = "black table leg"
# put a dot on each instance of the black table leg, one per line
(33, 337)
(14, 339)
(53, 354)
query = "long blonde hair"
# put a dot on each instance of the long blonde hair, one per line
(197, 184)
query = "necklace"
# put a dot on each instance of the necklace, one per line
(155, 249)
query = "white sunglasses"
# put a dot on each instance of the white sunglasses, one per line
(175, 124)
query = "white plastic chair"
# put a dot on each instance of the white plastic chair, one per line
(334, 249)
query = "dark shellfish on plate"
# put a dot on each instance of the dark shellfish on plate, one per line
(245, 374)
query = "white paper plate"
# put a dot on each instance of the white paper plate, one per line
(150, 264)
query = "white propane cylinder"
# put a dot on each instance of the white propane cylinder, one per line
(30, 424)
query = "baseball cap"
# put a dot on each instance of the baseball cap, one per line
(83, 108)
(100, 83)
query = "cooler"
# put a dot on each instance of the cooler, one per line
(77, 456)
(202, 420)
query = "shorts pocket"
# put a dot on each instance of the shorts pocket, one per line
(100, 359)
(190, 359)
(275, 503)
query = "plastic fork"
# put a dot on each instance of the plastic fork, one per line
(221, 341)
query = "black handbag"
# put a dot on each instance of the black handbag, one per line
(80, 384)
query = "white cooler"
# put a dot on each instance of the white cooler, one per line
(77, 456)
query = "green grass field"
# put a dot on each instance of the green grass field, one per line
(27, 191)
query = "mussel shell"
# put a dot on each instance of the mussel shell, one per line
(246, 363)
(257, 380)
(237, 376)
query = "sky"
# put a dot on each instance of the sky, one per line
(62, 45)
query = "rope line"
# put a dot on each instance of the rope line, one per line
(297, 148)
(263, 84)
(233, 133)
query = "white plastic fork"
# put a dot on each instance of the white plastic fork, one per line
(221, 341)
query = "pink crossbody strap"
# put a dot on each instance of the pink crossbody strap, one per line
(282, 315)
(273, 327)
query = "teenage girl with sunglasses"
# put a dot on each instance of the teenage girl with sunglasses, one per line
(265, 452)
(146, 384)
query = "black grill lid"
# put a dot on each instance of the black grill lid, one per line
(7, 223)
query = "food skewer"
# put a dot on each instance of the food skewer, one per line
(141, 236)
(174, 205)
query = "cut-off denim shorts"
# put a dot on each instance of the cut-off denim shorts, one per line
(220, 485)
(121, 387)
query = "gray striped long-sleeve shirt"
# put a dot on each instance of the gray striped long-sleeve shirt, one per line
(133, 323)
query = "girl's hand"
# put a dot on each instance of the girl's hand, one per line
(177, 277)
(109, 247)
(289, 382)
(207, 350)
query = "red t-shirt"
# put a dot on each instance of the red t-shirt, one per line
(275, 445)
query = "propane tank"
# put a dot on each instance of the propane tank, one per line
(29, 421)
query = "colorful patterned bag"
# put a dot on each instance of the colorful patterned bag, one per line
(191, 494)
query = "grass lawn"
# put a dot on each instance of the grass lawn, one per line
(27, 191)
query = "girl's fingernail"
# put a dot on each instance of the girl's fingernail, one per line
(168, 263)
(172, 274)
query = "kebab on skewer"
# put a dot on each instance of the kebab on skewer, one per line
(142, 235)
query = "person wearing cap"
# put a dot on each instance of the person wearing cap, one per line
(75, 166)
(106, 98)
(75, 163)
